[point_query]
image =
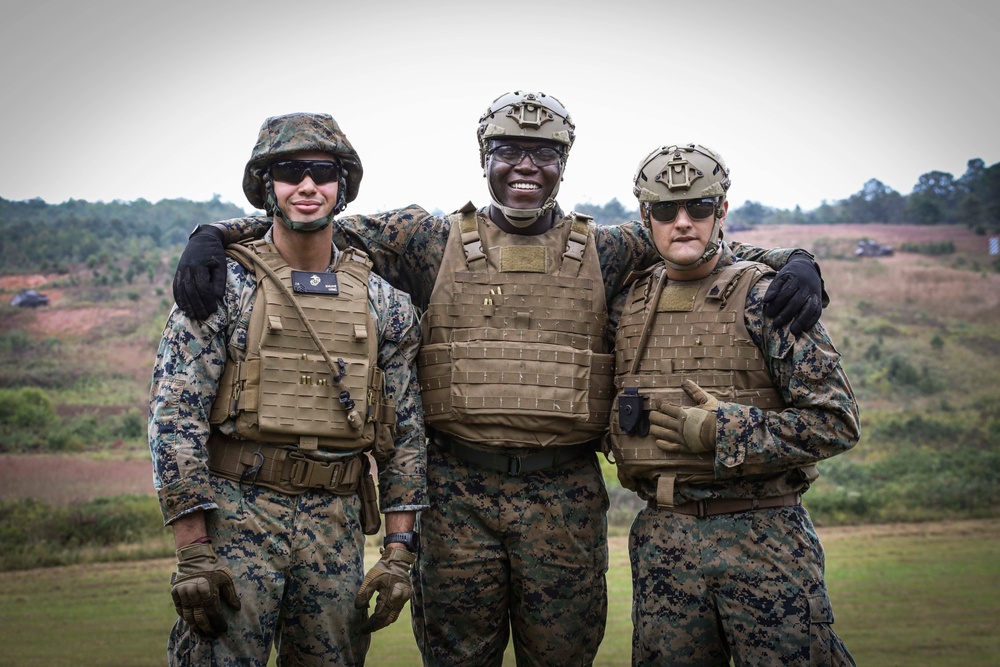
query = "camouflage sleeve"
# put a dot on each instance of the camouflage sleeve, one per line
(622, 249)
(403, 477)
(406, 246)
(773, 257)
(243, 229)
(821, 419)
(189, 363)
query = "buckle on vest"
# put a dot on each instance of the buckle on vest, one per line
(632, 418)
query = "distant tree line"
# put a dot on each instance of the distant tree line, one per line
(39, 237)
(937, 198)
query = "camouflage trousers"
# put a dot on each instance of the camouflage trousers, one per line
(747, 586)
(498, 553)
(297, 562)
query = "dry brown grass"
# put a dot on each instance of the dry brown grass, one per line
(928, 287)
(71, 478)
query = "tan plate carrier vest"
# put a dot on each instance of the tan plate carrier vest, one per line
(676, 331)
(514, 353)
(303, 351)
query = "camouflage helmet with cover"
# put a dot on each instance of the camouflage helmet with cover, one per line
(295, 133)
(682, 172)
(525, 115)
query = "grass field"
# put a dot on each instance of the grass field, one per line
(903, 594)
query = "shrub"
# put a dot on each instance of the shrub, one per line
(33, 533)
(27, 407)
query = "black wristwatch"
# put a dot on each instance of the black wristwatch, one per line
(410, 539)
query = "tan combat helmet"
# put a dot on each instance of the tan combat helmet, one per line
(678, 173)
(526, 116)
(293, 133)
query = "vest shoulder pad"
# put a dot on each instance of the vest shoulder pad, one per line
(352, 254)
(637, 276)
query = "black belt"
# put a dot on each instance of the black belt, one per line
(715, 506)
(513, 464)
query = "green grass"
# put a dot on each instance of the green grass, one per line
(914, 594)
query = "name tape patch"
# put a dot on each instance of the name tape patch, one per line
(315, 283)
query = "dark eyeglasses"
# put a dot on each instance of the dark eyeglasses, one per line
(698, 209)
(541, 156)
(294, 171)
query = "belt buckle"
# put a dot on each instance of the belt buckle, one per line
(513, 464)
(299, 473)
(305, 471)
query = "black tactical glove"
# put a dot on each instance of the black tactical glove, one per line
(198, 588)
(390, 576)
(795, 295)
(686, 429)
(200, 279)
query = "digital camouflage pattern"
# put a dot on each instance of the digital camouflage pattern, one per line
(189, 363)
(755, 577)
(297, 562)
(407, 246)
(747, 585)
(499, 550)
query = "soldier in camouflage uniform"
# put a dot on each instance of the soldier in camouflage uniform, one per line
(720, 419)
(515, 297)
(261, 447)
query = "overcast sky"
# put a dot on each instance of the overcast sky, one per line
(125, 99)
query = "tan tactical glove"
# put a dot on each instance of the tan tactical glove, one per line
(390, 576)
(197, 586)
(680, 429)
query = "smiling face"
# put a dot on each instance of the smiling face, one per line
(523, 185)
(306, 200)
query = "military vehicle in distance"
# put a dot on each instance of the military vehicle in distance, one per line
(29, 298)
(869, 248)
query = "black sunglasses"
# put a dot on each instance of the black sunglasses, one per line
(697, 209)
(541, 156)
(294, 171)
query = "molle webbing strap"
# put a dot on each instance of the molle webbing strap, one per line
(579, 235)
(665, 490)
(519, 300)
(473, 317)
(474, 256)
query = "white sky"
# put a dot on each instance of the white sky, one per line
(127, 99)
